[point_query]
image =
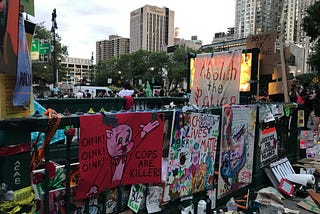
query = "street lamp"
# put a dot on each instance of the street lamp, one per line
(53, 31)
(92, 68)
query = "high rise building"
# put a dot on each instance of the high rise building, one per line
(114, 47)
(301, 12)
(256, 16)
(151, 28)
(260, 16)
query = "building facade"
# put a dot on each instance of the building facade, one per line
(151, 28)
(77, 71)
(114, 47)
(256, 16)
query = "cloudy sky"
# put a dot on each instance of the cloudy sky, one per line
(81, 23)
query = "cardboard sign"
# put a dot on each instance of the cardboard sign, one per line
(266, 43)
(275, 88)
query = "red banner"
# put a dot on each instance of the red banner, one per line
(119, 149)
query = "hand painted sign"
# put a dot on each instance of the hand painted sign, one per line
(216, 79)
(137, 195)
(192, 154)
(119, 149)
(236, 148)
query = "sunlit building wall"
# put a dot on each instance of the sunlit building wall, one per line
(151, 28)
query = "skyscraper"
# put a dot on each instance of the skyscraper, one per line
(256, 16)
(151, 28)
(114, 47)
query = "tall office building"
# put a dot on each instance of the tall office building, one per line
(256, 16)
(151, 28)
(114, 47)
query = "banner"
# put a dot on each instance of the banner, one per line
(216, 79)
(23, 88)
(268, 146)
(28, 6)
(236, 148)
(192, 154)
(9, 19)
(119, 149)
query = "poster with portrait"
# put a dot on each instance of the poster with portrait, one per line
(123, 148)
(236, 148)
(192, 154)
(216, 79)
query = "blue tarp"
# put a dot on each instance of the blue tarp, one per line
(59, 135)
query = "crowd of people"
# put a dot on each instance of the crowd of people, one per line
(125, 91)
(308, 96)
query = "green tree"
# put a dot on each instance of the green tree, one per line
(311, 25)
(43, 71)
(179, 68)
(145, 66)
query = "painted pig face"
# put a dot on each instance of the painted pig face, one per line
(119, 140)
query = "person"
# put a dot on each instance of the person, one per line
(293, 94)
(263, 95)
(307, 105)
(79, 94)
(141, 93)
(70, 93)
(88, 94)
(126, 91)
(316, 108)
(41, 95)
(161, 92)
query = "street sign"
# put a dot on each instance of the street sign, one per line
(45, 48)
(35, 45)
(35, 49)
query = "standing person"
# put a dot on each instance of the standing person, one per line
(316, 108)
(79, 94)
(127, 90)
(293, 94)
(307, 105)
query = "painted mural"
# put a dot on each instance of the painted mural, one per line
(192, 154)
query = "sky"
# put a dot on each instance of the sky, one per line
(82, 23)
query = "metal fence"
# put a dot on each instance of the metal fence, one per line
(17, 131)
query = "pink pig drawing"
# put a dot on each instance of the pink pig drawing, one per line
(120, 142)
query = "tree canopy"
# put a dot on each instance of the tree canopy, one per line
(142, 66)
(311, 25)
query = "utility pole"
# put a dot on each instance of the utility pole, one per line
(53, 31)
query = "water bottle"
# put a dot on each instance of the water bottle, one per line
(231, 205)
(201, 207)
